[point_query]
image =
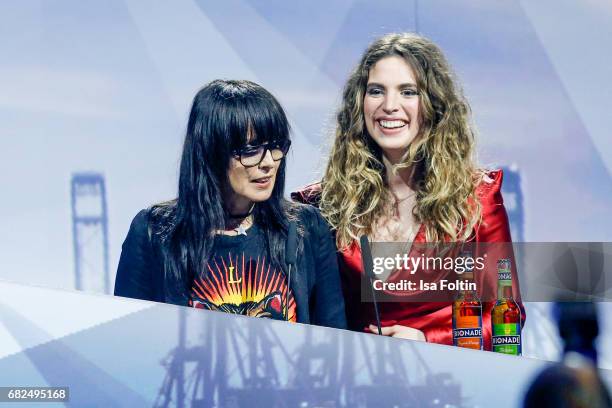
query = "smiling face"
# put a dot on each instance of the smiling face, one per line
(391, 106)
(250, 185)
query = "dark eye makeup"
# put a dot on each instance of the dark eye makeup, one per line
(376, 90)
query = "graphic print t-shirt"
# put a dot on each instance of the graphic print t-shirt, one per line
(241, 279)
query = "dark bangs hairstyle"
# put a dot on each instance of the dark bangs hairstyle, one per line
(226, 115)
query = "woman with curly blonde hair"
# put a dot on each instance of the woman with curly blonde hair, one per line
(401, 169)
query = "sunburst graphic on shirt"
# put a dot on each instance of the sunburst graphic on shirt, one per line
(235, 284)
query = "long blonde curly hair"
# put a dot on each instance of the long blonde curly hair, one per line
(355, 194)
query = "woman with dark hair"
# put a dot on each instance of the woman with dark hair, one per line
(220, 245)
(401, 169)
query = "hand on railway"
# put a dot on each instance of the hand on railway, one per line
(399, 331)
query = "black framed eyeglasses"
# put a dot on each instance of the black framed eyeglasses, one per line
(251, 156)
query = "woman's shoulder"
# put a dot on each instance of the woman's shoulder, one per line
(151, 221)
(306, 214)
(310, 194)
(494, 226)
(138, 241)
(488, 189)
(310, 219)
(141, 221)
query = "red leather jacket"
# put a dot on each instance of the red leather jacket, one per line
(433, 318)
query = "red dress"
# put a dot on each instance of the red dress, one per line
(432, 318)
